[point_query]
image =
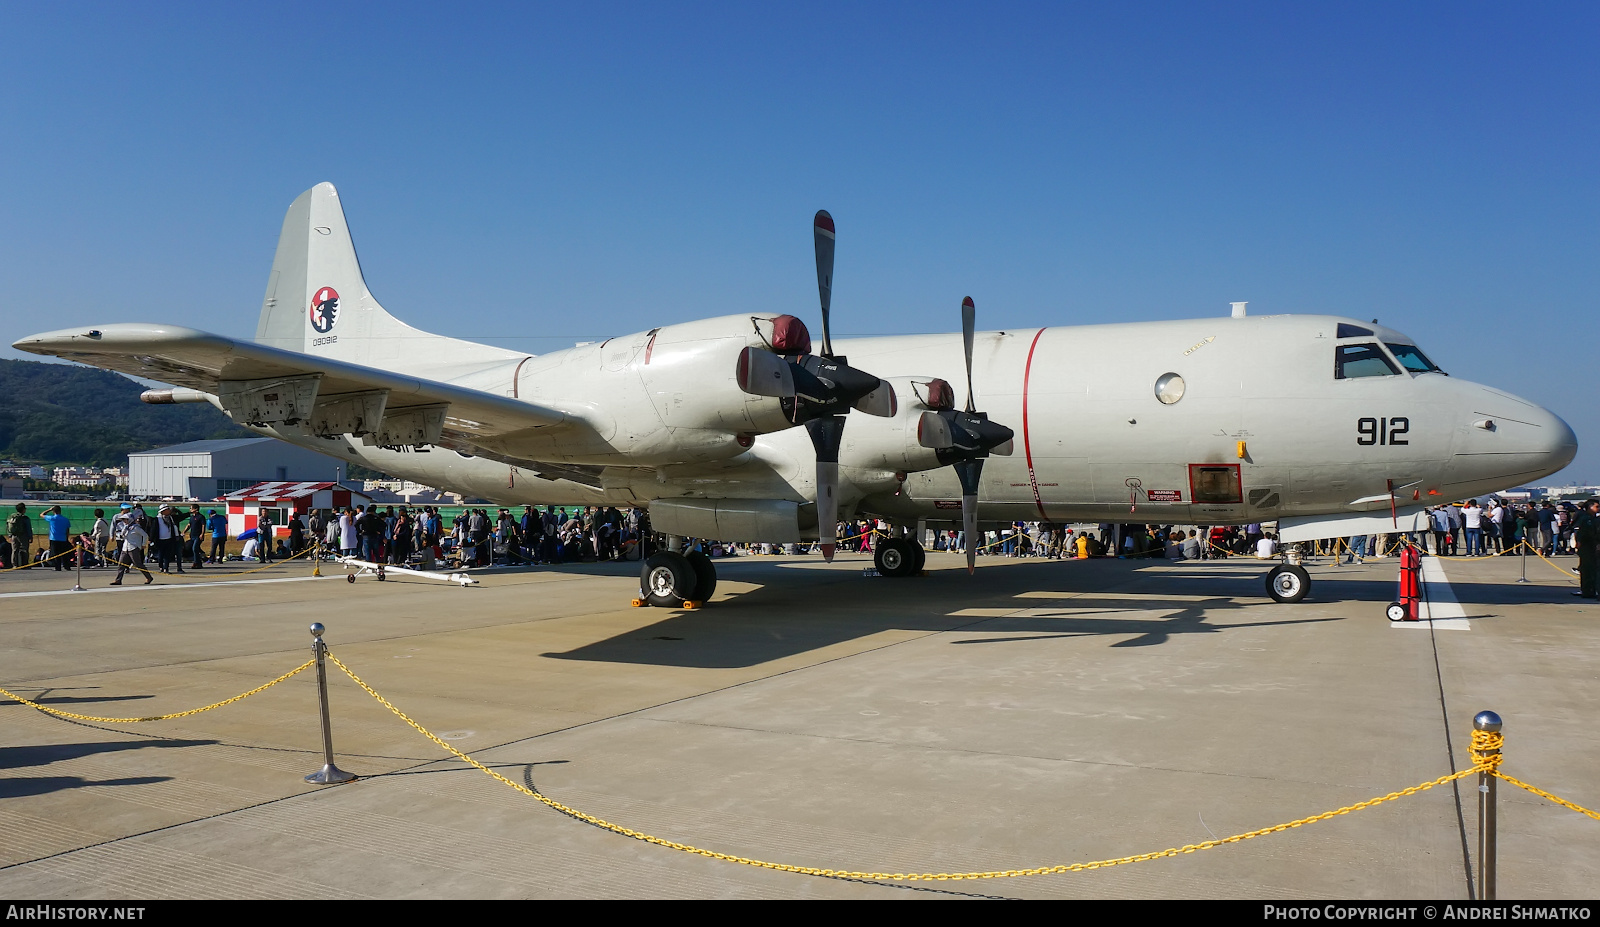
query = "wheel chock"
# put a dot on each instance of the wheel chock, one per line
(636, 603)
(692, 605)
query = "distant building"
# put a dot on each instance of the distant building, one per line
(1569, 492)
(82, 476)
(207, 469)
(281, 500)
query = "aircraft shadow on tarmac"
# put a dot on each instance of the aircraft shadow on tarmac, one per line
(1140, 632)
(797, 607)
(45, 754)
(796, 611)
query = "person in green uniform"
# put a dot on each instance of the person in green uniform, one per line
(19, 528)
(1586, 536)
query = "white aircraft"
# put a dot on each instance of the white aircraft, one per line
(1330, 426)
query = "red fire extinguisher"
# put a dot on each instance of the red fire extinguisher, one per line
(1410, 586)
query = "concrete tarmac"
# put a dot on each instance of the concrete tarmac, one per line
(1039, 713)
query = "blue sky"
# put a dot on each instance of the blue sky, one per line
(535, 175)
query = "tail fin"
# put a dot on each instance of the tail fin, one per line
(318, 303)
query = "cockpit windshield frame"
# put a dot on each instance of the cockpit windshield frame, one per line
(1411, 358)
(1354, 361)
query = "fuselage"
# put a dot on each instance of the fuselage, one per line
(1275, 416)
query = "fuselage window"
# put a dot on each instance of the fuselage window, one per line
(1346, 330)
(1412, 358)
(1361, 360)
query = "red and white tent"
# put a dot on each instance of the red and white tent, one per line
(245, 505)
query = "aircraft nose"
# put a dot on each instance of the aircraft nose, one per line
(1519, 440)
(1561, 443)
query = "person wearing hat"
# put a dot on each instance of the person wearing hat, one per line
(132, 543)
(168, 538)
(1585, 537)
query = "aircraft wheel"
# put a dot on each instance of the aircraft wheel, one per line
(667, 579)
(1395, 612)
(1288, 583)
(705, 576)
(894, 558)
(350, 577)
(921, 558)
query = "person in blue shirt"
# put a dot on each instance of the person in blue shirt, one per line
(60, 536)
(218, 524)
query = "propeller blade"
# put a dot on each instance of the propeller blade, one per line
(763, 373)
(826, 433)
(822, 226)
(969, 320)
(933, 432)
(880, 402)
(969, 471)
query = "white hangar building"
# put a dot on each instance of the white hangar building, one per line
(207, 469)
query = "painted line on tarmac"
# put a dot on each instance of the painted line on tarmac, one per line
(203, 584)
(1440, 609)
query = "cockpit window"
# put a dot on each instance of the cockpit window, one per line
(1413, 359)
(1361, 360)
(1346, 330)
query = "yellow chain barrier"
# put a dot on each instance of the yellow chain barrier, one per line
(1500, 553)
(177, 714)
(1543, 794)
(1558, 568)
(1483, 742)
(42, 562)
(111, 559)
(309, 549)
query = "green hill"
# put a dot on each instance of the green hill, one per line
(67, 414)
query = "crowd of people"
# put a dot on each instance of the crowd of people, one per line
(175, 536)
(397, 535)
(170, 538)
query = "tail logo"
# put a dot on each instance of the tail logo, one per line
(325, 309)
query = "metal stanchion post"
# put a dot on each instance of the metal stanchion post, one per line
(1524, 562)
(77, 564)
(329, 774)
(1486, 721)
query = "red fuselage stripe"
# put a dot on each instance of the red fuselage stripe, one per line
(1027, 447)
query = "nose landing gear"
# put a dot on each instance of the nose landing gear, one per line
(1289, 582)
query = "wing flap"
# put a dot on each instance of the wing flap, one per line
(204, 361)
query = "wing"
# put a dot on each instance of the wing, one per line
(263, 385)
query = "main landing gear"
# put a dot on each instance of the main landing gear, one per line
(899, 557)
(673, 580)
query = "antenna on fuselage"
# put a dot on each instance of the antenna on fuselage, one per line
(1238, 309)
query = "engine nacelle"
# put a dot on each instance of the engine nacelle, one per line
(691, 373)
(892, 443)
(771, 520)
